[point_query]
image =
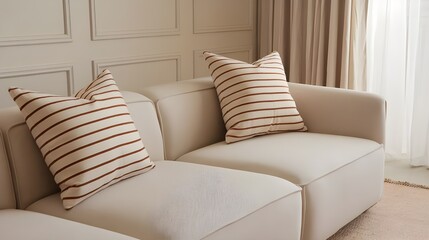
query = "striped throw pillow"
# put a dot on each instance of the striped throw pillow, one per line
(89, 141)
(254, 98)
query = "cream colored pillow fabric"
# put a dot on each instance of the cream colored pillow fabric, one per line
(254, 98)
(89, 141)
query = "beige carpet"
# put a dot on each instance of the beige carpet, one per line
(402, 213)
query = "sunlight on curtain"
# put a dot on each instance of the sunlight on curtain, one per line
(419, 143)
(398, 69)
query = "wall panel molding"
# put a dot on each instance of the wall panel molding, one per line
(99, 65)
(39, 70)
(134, 73)
(43, 38)
(200, 69)
(142, 31)
(217, 26)
(45, 78)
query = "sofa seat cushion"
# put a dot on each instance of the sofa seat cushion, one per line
(19, 224)
(338, 174)
(298, 157)
(189, 201)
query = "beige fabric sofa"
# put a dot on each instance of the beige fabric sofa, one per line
(175, 200)
(338, 163)
(19, 224)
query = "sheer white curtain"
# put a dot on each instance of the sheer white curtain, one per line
(398, 69)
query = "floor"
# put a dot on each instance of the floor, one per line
(400, 170)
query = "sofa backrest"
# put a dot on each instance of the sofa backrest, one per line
(202, 123)
(7, 195)
(145, 118)
(191, 118)
(31, 177)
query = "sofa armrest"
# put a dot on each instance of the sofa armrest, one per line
(341, 112)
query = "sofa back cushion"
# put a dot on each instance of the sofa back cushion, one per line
(7, 196)
(189, 115)
(145, 118)
(33, 179)
(31, 176)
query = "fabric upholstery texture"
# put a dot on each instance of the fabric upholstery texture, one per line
(32, 178)
(254, 98)
(7, 196)
(297, 157)
(89, 141)
(183, 133)
(191, 118)
(189, 201)
(19, 224)
(145, 118)
(337, 173)
(338, 162)
(341, 112)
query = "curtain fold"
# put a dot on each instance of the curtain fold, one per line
(417, 73)
(387, 32)
(380, 46)
(322, 42)
(398, 56)
(397, 60)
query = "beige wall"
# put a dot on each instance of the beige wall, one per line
(58, 46)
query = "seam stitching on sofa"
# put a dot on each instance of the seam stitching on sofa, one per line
(157, 119)
(15, 180)
(160, 119)
(254, 211)
(373, 151)
(304, 210)
(7, 160)
(183, 93)
(137, 101)
(161, 126)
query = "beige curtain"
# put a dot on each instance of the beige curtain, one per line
(322, 42)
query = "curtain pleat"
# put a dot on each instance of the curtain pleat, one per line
(322, 42)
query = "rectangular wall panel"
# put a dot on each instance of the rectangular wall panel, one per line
(137, 73)
(143, 42)
(134, 18)
(48, 79)
(200, 67)
(33, 22)
(223, 15)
